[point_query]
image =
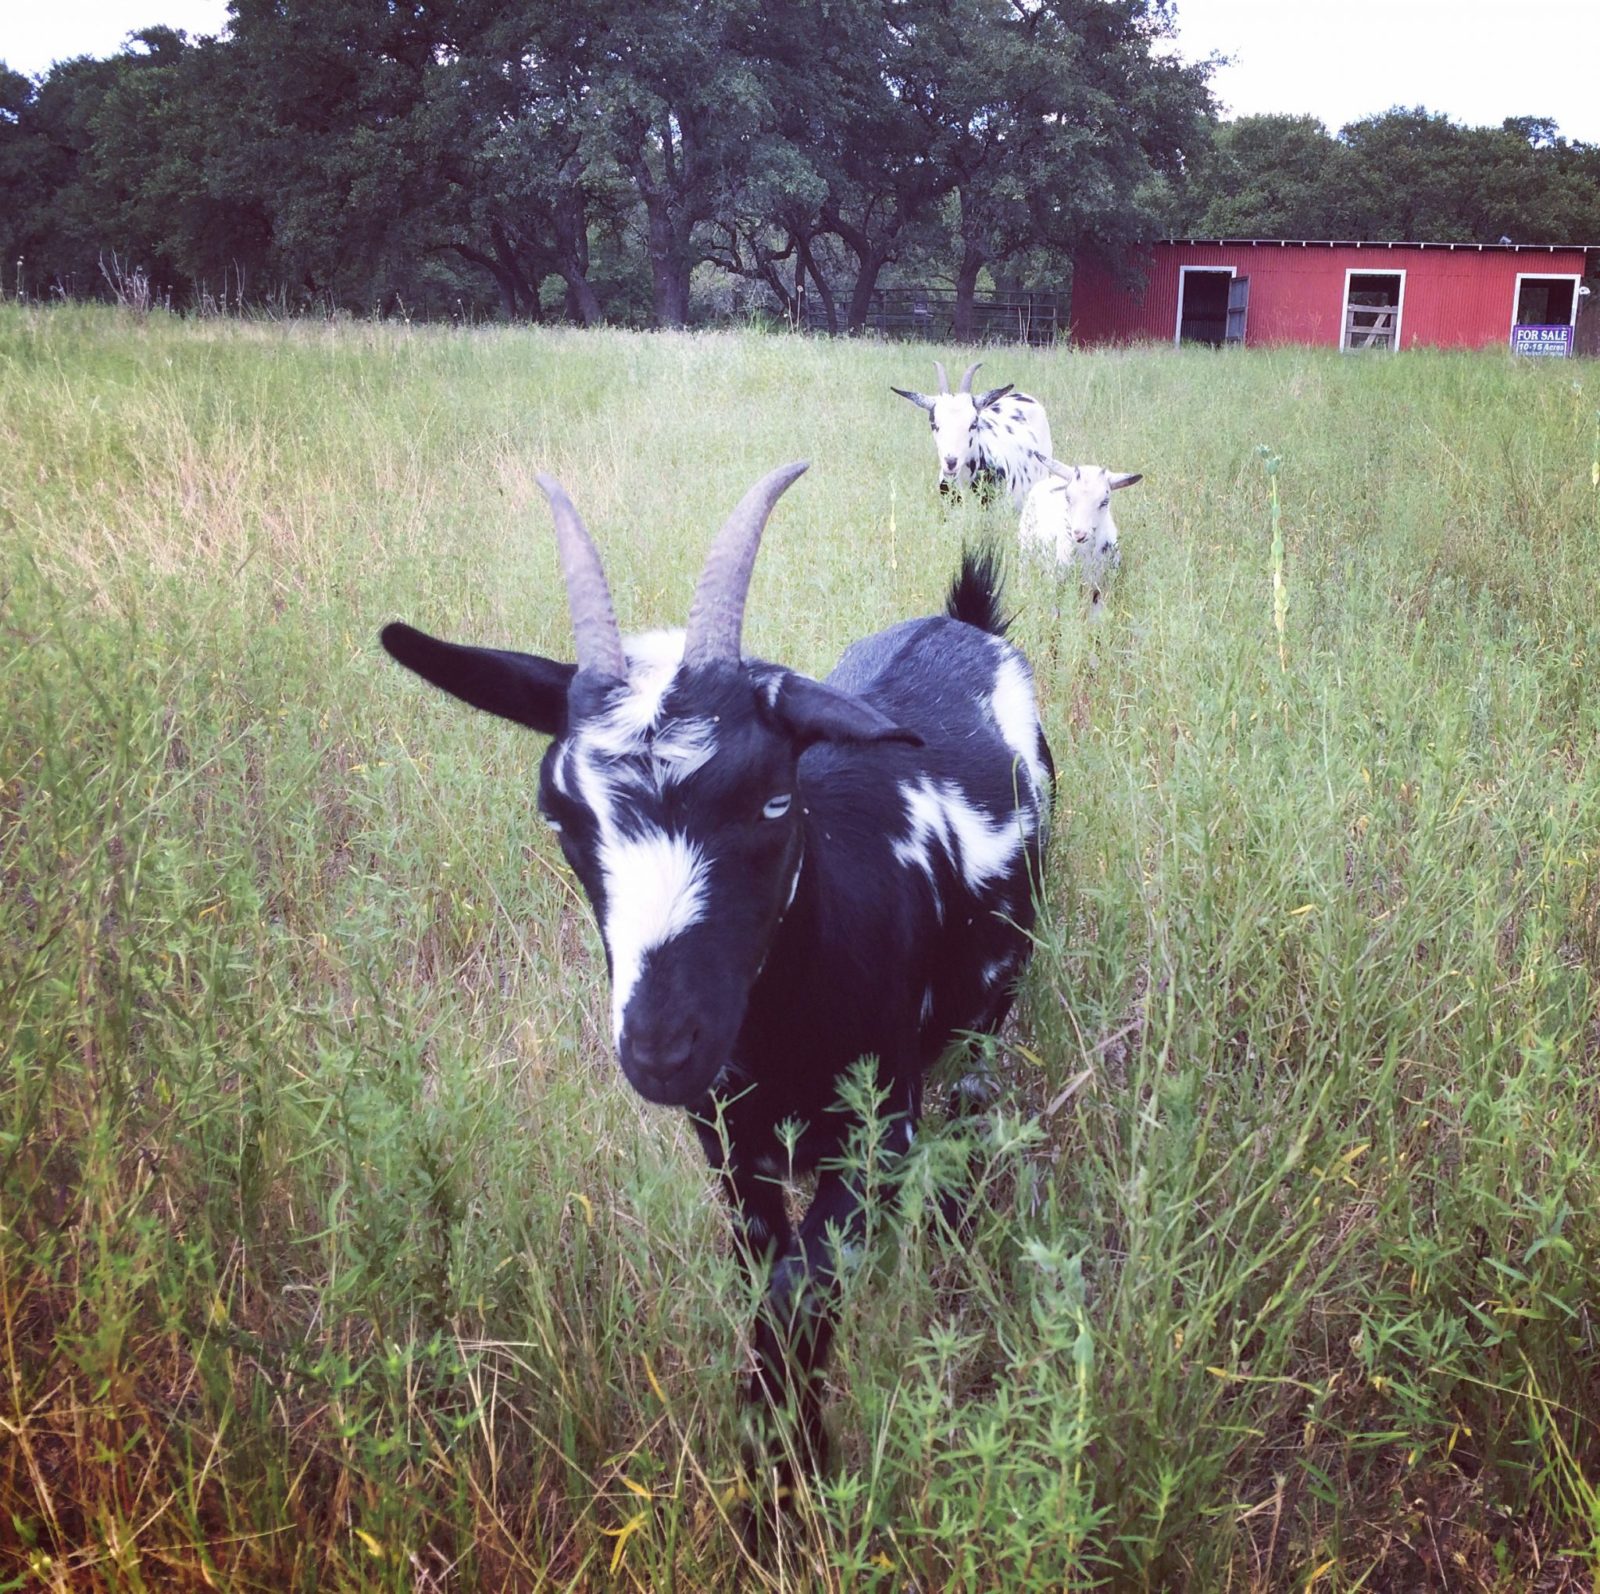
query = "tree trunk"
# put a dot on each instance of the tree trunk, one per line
(788, 302)
(671, 293)
(508, 291)
(764, 267)
(669, 278)
(504, 280)
(871, 257)
(669, 206)
(582, 303)
(506, 253)
(866, 285)
(569, 220)
(669, 273)
(830, 310)
(966, 289)
(673, 299)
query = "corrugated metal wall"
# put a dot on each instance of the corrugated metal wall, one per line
(1587, 340)
(1459, 298)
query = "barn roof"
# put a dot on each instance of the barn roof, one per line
(1375, 243)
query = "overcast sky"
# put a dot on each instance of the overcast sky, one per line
(33, 33)
(1344, 59)
(1337, 59)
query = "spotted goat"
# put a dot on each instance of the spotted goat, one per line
(1068, 516)
(995, 442)
(789, 875)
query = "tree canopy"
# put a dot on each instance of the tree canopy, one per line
(587, 158)
(1408, 174)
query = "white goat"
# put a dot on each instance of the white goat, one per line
(998, 439)
(1068, 515)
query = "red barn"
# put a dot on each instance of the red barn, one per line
(1339, 295)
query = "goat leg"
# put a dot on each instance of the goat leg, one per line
(762, 1231)
(794, 1327)
(756, 1205)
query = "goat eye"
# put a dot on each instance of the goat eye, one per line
(776, 807)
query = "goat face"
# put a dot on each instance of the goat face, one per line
(1068, 512)
(953, 418)
(674, 804)
(671, 784)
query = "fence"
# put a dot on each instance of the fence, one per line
(1370, 326)
(929, 314)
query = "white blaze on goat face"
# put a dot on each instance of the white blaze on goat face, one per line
(655, 888)
(651, 885)
(653, 881)
(654, 658)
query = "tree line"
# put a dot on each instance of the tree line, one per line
(607, 159)
(586, 157)
(1407, 175)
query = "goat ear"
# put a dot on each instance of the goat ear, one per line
(994, 395)
(811, 711)
(1125, 479)
(516, 686)
(921, 400)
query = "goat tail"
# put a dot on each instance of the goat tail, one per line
(975, 592)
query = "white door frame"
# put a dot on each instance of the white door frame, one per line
(1183, 271)
(1399, 309)
(1546, 276)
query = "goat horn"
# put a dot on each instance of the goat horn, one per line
(944, 381)
(972, 371)
(594, 621)
(717, 614)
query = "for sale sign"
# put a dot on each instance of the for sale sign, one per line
(1541, 340)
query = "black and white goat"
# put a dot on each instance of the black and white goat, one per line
(997, 441)
(789, 875)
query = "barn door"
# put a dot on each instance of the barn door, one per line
(1238, 308)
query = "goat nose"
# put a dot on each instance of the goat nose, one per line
(950, 462)
(656, 1058)
(664, 1054)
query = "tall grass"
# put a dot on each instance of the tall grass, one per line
(333, 1251)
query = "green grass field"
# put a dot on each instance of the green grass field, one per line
(335, 1253)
